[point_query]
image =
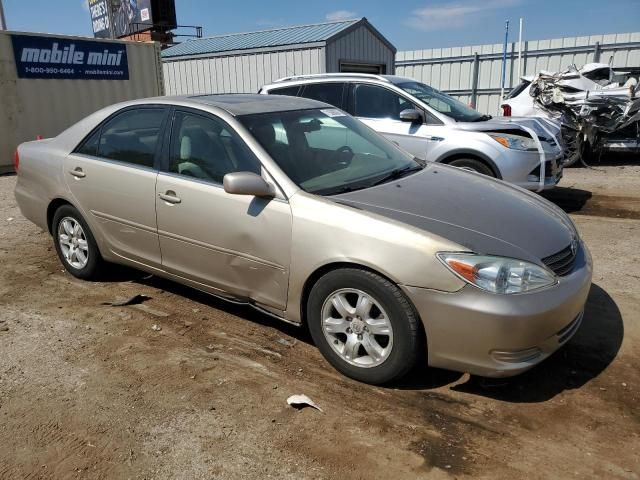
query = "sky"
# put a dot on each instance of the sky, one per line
(409, 25)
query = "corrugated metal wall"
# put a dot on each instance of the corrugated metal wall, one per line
(239, 73)
(452, 69)
(359, 45)
(31, 107)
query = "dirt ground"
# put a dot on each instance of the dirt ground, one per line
(91, 391)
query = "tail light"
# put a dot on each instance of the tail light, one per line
(506, 110)
(16, 160)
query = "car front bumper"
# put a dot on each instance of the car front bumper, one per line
(523, 169)
(502, 335)
(630, 145)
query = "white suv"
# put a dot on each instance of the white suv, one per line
(436, 127)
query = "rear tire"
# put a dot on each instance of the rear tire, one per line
(377, 338)
(473, 165)
(75, 245)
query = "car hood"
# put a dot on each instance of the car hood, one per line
(483, 215)
(505, 124)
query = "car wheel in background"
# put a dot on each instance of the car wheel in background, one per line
(75, 244)
(473, 165)
(364, 325)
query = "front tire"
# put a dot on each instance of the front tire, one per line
(75, 245)
(473, 165)
(364, 325)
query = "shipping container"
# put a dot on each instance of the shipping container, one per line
(49, 82)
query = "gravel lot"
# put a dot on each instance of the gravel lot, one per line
(89, 390)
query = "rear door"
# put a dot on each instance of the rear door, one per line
(333, 93)
(237, 244)
(112, 176)
(379, 107)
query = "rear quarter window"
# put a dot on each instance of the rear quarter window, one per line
(518, 89)
(291, 91)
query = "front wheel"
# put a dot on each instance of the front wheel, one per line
(473, 165)
(364, 325)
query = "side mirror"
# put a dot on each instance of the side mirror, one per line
(411, 115)
(247, 183)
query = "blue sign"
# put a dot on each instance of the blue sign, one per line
(51, 57)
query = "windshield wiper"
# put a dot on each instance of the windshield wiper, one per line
(339, 190)
(398, 173)
(483, 118)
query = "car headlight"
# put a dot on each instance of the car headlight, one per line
(515, 142)
(498, 274)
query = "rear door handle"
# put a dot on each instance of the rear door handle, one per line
(170, 197)
(77, 172)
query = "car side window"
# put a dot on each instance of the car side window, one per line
(291, 91)
(206, 148)
(331, 93)
(132, 136)
(372, 101)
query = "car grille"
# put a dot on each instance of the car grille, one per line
(548, 169)
(561, 263)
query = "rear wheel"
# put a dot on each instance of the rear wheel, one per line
(473, 165)
(364, 325)
(74, 243)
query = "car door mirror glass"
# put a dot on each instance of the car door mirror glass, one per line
(247, 183)
(410, 115)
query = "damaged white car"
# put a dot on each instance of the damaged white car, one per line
(598, 106)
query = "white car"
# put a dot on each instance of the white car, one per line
(591, 78)
(436, 127)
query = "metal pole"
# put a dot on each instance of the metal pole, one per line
(474, 80)
(504, 63)
(3, 21)
(520, 51)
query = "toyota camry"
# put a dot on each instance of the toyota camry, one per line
(296, 208)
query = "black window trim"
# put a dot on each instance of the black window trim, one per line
(168, 142)
(158, 150)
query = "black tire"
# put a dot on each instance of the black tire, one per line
(94, 263)
(408, 336)
(589, 154)
(474, 165)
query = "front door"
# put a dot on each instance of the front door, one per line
(112, 177)
(235, 244)
(380, 108)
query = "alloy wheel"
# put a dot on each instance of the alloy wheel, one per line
(73, 242)
(357, 327)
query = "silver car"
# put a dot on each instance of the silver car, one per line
(436, 127)
(300, 210)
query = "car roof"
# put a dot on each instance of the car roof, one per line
(239, 104)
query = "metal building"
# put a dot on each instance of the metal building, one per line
(472, 73)
(243, 62)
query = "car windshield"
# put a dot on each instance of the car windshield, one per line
(443, 103)
(326, 151)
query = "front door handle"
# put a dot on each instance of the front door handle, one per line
(170, 197)
(77, 172)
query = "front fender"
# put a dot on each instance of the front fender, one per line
(325, 232)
